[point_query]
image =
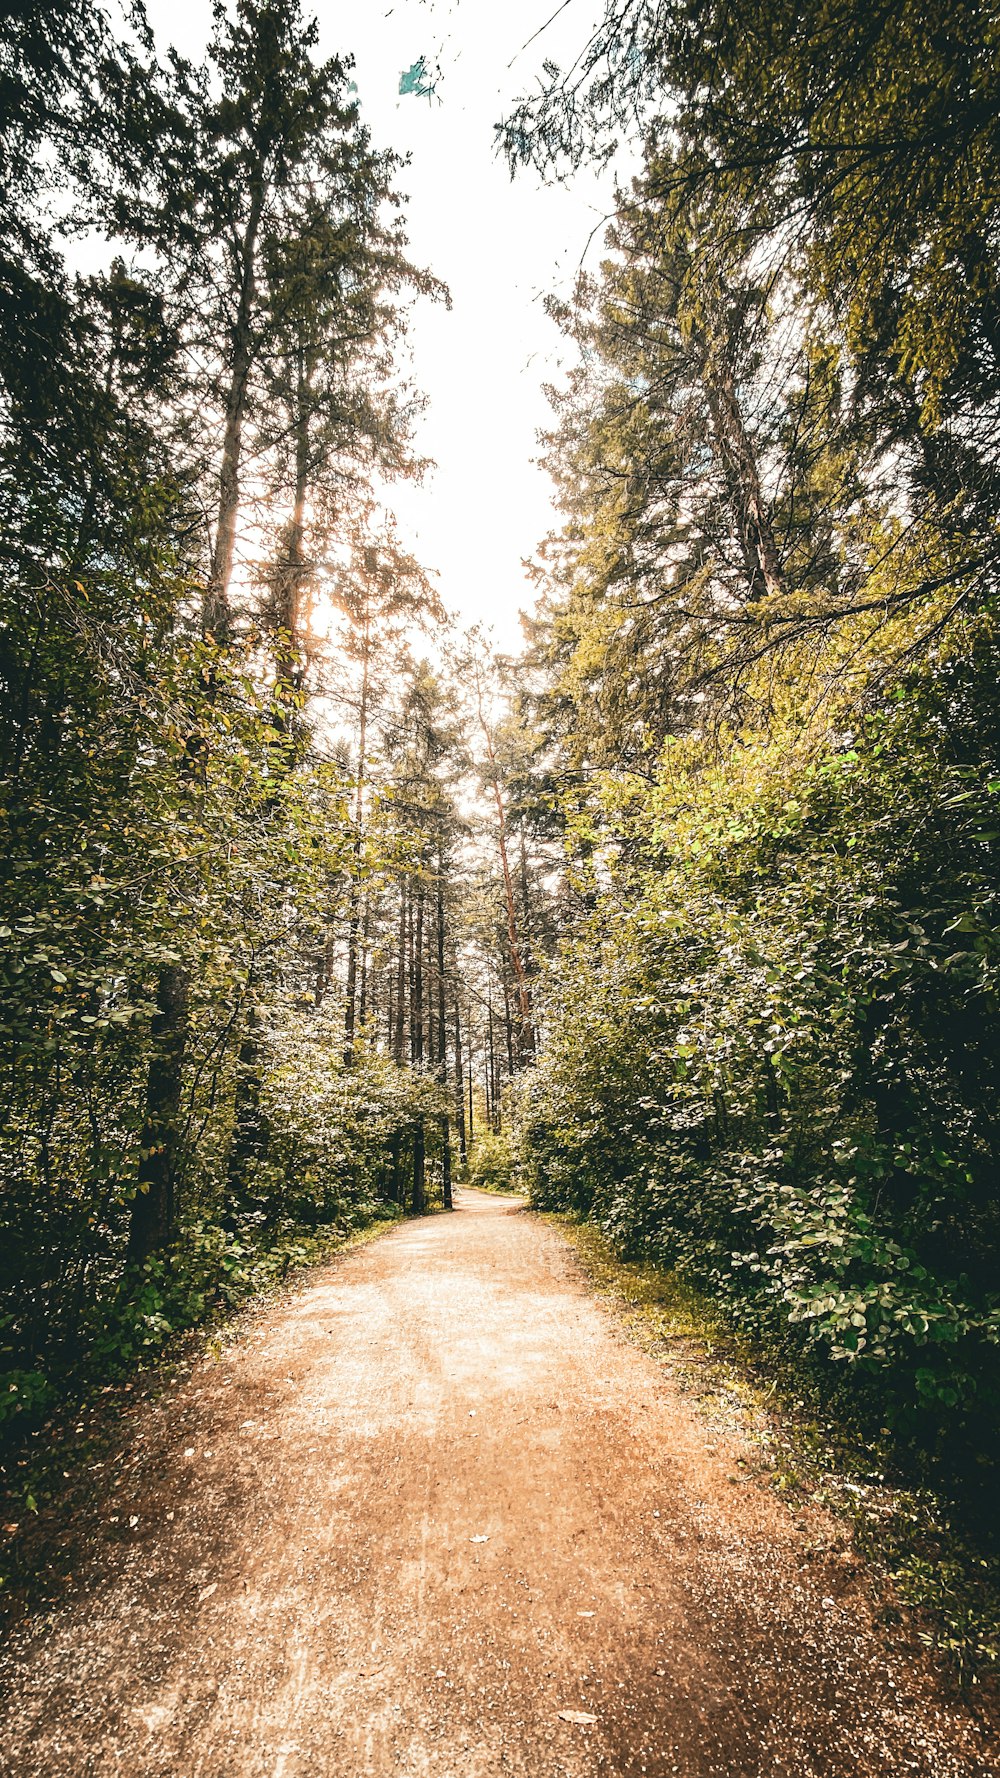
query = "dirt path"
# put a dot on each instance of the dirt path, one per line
(418, 1510)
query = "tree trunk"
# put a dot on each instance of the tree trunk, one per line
(442, 1026)
(430, 994)
(735, 454)
(492, 1115)
(152, 1220)
(463, 1152)
(417, 1046)
(153, 1210)
(398, 1029)
(419, 1197)
(249, 1140)
(215, 608)
(366, 929)
(356, 859)
(417, 980)
(526, 1042)
(508, 1029)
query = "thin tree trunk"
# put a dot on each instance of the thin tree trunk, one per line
(417, 977)
(463, 1152)
(430, 993)
(508, 1029)
(366, 928)
(215, 610)
(152, 1219)
(356, 857)
(417, 1047)
(249, 1141)
(398, 1030)
(735, 453)
(442, 1025)
(419, 1197)
(491, 1071)
(527, 1042)
(154, 1208)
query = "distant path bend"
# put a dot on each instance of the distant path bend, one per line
(421, 1507)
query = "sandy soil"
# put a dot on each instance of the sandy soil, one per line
(421, 1508)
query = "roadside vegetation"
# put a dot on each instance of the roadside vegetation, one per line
(308, 903)
(763, 699)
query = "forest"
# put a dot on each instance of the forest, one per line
(311, 901)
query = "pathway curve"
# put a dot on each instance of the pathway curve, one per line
(423, 1507)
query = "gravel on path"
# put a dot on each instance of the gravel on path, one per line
(432, 1516)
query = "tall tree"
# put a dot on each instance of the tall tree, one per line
(260, 124)
(483, 670)
(381, 593)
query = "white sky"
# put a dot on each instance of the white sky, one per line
(499, 245)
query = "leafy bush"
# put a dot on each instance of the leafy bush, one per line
(774, 1061)
(491, 1162)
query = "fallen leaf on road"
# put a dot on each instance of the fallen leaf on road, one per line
(577, 1716)
(479, 1540)
(206, 1592)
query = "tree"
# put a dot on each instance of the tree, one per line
(483, 670)
(381, 593)
(861, 142)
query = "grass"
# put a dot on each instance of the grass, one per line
(935, 1580)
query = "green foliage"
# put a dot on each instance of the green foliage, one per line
(491, 1162)
(773, 1060)
(178, 859)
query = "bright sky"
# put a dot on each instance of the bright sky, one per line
(499, 245)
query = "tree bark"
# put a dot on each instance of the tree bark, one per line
(249, 1140)
(154, 1207)
(508, 1027)
(417, 1048)
(526, 1040)
(463, 1152)
(442, 1027)
(398, 1029)
(419, 1193)
(215, 608)
(366, 929)
(417, 979)
(350, 1007)
(493, 1114)
(737, 459)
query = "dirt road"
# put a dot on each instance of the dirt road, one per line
(423, 1507)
